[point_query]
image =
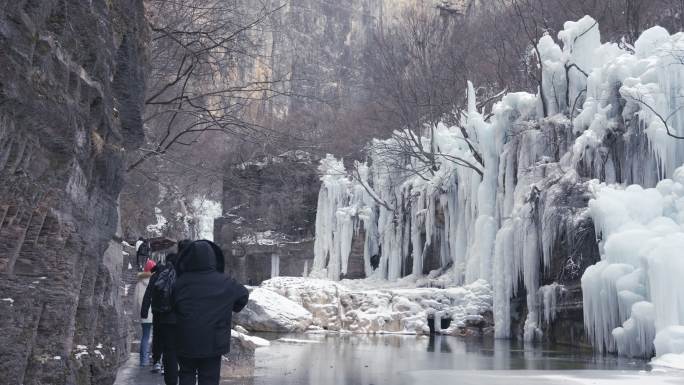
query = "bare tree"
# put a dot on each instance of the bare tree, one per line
(202, 53)
(417, 73)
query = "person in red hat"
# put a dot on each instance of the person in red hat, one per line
(146, 323)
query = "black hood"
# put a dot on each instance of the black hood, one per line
(200, 256)
(171, 259)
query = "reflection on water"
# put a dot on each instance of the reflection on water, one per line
(389, 359)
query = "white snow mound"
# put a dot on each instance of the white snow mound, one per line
(268, 311)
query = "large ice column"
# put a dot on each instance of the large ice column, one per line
(565, 71)
(581, 41)
(654, 90)
(639, 90)
(515, 250)
(480, 265)
(417, 224)
(334, 220)
(635, 294)
(554, 82)
(631, 296)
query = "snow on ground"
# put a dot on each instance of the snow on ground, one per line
(252, 341)
(362, 306)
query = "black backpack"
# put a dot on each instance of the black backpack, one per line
(163, 289)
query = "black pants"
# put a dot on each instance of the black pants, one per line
(156, 343)
(207, 370)
(164, 345)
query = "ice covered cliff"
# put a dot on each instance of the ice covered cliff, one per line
(516, 193)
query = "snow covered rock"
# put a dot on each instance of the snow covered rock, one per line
(268, 311)
(252, 342)
(369, 306)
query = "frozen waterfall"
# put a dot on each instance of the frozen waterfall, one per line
(505, 188)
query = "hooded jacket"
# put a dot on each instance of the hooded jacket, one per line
(140, 288)
(203, 300)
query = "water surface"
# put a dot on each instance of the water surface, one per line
(313, 359)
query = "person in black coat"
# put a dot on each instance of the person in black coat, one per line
(203, 300)
(164, 324)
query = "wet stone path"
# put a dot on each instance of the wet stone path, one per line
(132, 374)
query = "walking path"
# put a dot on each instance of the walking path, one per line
(132, 374)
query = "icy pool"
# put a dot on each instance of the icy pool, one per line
(306, 359)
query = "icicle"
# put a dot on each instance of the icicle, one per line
(548, 298)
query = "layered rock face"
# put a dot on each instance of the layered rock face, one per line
(71, 93)
(320, 46)
(269, 209)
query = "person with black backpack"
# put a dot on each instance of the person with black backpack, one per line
(158, 296)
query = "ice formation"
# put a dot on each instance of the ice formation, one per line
(157, 229)
(634, 295)
(363, 307)
(548, 301)
(206, 211)
(497, 213)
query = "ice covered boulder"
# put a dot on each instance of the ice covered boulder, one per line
(369, 306)
(268, 311)
(319, 296)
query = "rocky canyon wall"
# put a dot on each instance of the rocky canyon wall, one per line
(71, 93)
(318, 47)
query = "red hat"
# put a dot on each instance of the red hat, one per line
(149, 265)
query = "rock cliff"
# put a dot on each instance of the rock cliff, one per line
(71, 93)
(318, 47)
(267, 225)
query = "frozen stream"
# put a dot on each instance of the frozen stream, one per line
(310, 359)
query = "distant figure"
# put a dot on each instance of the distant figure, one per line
(158, 296)
(375, 262)
(142, 252)
(156, 347)
(146, 322)
(203, 300)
